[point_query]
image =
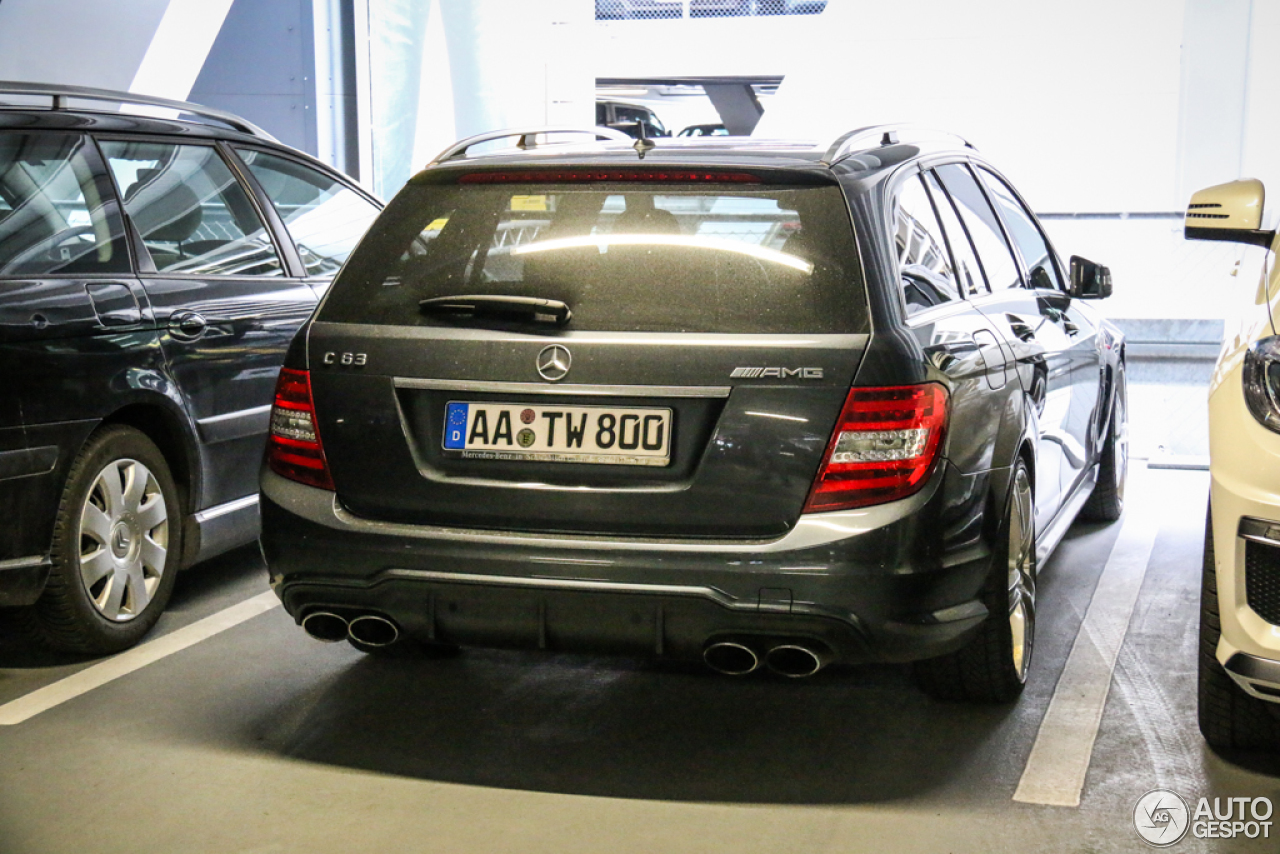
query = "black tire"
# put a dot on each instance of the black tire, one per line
(1106, 502)
(1229, 718)
(993, 666)
(133, 539)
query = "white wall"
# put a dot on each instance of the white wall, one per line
(66, 41)
(445, 69)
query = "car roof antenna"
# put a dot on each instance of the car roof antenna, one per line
(643, 144)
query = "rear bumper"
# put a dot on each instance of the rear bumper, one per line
(875, 584)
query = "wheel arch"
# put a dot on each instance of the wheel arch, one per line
(172, 434)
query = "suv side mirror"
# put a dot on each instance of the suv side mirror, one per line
(1230, 212)
(1089, 280)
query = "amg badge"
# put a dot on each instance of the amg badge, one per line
(777, 373)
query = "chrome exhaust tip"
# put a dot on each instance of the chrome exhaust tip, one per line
(372, 630)
(325, 626)
(731, 659)
(795, 661)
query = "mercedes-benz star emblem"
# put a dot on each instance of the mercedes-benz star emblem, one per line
(553, 362)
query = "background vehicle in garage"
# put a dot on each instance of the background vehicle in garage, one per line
(152, 273)
(629, 118)
(866, 401)
(1239, 662)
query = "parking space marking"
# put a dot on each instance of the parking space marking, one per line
(23, 708)
(1055, 770)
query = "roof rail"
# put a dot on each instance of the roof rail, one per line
(60, 93)
(528, 139)
(892, 134)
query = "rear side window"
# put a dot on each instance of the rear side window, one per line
(970, 270)
(192, 213)
(633, 257)
(924, 264)
(983, 227)
(56, 215)
(1035, 251)
(324, 217)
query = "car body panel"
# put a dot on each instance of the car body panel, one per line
(79, 351)
(1244, 459)
(530, 565)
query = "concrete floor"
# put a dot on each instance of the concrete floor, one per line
(262, 740)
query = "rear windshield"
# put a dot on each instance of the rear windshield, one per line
(623, 257)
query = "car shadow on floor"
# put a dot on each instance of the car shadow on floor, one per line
(634, 729)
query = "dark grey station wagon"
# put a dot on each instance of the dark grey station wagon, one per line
(764, 404)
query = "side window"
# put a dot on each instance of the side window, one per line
(1034, 249)
(324, 217)
(968, 268)
(983, 226)
(192, 213)
(924, 264)
(56, 216)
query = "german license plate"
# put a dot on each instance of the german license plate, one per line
(559, 434)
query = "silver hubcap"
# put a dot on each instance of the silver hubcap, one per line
(124, 539)
(1022, 585)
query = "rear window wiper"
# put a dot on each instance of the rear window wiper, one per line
(529, 309)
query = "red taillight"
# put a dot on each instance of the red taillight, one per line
(577, 176)
(293, 445)
(884, 446)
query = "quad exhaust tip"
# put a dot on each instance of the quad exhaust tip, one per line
(368, 629)
(372, 630)
(730, 658)
(325, 626)
(795, 660)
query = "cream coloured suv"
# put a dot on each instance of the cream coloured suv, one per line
(1239, 693)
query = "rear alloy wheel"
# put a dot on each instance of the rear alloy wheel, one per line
(992, 667)
(1106, 502)
(116, 545)
(1229, 718)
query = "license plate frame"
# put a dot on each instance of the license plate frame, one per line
(558, 433)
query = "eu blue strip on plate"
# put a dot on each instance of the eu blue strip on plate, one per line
(455, 426)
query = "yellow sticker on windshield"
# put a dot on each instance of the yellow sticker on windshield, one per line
(528, 203)
(437, 224)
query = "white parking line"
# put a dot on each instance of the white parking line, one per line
(19, 710)
(1059, 759)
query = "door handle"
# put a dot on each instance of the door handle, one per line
(187, 325)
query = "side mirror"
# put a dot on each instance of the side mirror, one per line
(1089, 280)
(1230, 212)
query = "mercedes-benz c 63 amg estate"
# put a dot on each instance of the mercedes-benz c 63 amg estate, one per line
(764, 404)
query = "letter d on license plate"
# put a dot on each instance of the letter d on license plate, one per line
(559, 434)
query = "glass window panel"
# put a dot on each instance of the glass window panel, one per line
(966, 259)
(1037, 257)
(927, 277)
(983, 226)
(192, 213)
(56, 216)
(633, 258)
(324, 217)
